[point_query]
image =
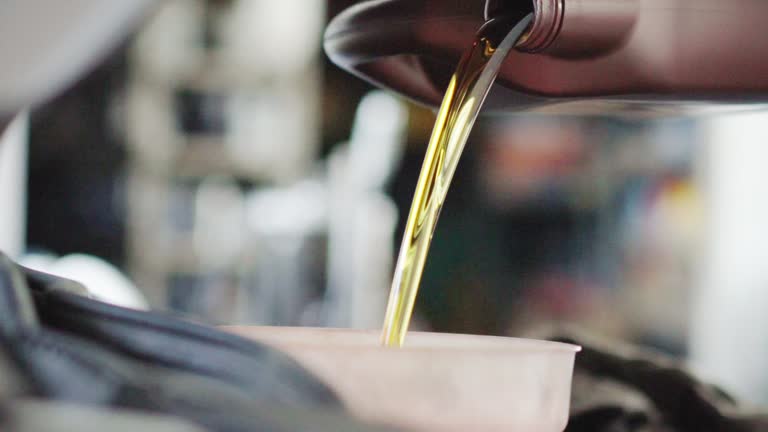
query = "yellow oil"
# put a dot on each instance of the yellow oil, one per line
(461, 104)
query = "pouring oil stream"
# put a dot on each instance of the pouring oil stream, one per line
(464, 97)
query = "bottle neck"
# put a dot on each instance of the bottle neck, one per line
(576, 28)
(548, 20)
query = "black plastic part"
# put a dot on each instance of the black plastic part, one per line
(68, 347)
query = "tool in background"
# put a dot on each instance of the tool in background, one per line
(362, 218)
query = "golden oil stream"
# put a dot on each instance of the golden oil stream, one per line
(461, 104)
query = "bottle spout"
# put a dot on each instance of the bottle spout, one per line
(502, 16)
(545, 26)
(571, 28)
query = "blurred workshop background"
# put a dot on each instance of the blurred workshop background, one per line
(219, 166)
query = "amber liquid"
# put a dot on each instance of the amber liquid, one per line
(461, 104)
